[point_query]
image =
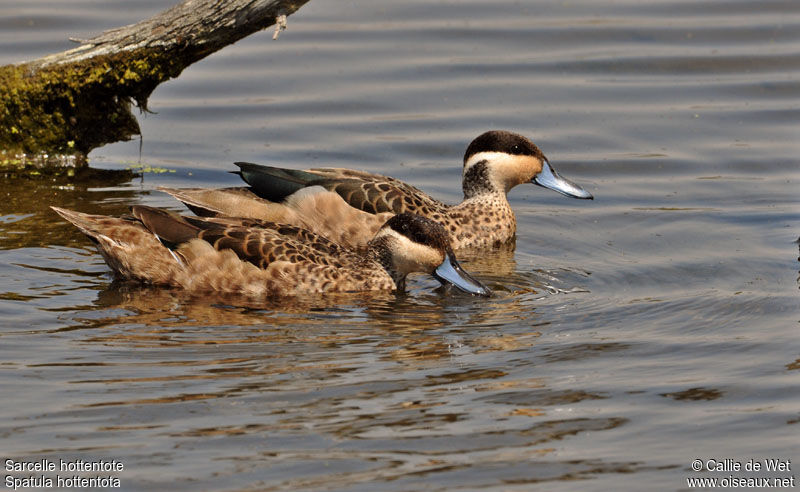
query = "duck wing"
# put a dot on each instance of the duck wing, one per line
(232, 202)
(313, 208)
(255, 241)
(170, 228)
(372, 193)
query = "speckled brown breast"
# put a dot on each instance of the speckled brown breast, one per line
(484, 221)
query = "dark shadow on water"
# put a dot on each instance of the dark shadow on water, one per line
(695, 394)
(543, 397)
(582, 351)
(25, 216)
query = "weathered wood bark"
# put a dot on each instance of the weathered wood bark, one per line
(74, 101)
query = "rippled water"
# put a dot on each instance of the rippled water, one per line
(628, 336)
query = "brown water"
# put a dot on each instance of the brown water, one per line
(628, 336)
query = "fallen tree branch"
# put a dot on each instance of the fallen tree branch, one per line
(77, 100)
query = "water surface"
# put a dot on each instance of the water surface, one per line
(628, 336)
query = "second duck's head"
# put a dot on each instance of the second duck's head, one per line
(498, 160)
(409, 243)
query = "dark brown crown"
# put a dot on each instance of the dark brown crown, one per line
(420, 230)
(502, 141)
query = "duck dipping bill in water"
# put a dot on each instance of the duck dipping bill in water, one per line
(266, 259)
(349, 206)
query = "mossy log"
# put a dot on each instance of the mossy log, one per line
(72, 102)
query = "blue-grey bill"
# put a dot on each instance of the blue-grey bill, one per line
(550, 179)
(450, 272)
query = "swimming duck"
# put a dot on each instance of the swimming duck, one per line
(267, 259)
(349, 206)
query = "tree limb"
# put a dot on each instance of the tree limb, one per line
(80, 99)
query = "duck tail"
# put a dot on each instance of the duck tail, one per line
(195, 199)
(229, 202)
(274, 183)
(91, 225)
(129, 248)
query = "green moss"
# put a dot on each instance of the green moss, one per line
(73, 108)
(148, 169)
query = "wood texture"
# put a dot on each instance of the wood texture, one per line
(191, 30)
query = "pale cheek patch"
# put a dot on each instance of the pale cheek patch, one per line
(409, 257)
(507, 171)
(524, 169)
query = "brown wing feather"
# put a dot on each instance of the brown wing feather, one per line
(286, 231)
(231, 202)
(375, 193)
(167, 226)
(262, 243)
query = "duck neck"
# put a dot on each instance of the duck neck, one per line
(378, 251)
(478, 181)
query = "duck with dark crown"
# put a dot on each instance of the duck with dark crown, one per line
(262, 258)
(349, 206)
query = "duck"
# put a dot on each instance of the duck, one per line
(349, 206)
(260, 258)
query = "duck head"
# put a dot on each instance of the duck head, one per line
(500, 160)
(409, 243)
